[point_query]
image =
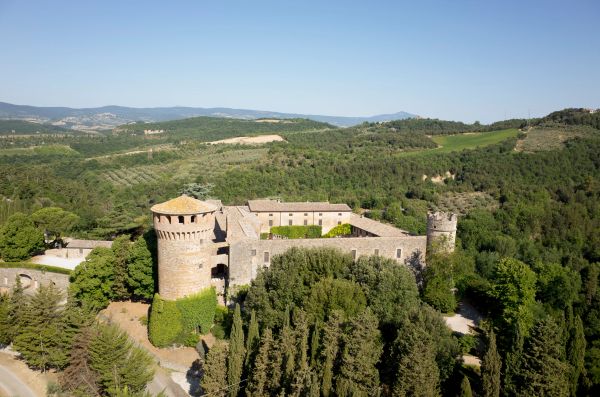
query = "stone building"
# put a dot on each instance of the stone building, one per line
(203, 243)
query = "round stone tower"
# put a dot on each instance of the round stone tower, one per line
(184, 227)
(441, 231)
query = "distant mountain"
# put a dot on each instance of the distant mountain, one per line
(108, 117)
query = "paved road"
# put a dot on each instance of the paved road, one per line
(11, 385)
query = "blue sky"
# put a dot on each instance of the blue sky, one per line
(457, 60)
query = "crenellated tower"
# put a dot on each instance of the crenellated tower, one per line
(184, 228)
(441, 231)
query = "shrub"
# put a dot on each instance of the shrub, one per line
(165, 323)
(198, 310)
(467, 343)
(340, 230)
(143, 320)
(293, 232)
(223, 319)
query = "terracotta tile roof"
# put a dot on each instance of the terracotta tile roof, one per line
(277, 206)
(374, 227)
(183, 205)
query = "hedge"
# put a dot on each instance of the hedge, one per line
(198, 310)
(340, 230)
(34, 266)
(165, 323)
(293, 232)
(177, 321)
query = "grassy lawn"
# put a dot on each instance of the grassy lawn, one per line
(453, 143)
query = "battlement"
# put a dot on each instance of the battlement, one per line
(441, 230)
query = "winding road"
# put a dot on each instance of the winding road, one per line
(11, 385)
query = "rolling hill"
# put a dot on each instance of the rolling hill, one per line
(107, 117)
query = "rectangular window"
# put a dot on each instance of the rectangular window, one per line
(270, 214)
(270, 222)
(354, 254)
(320, 222)
(320, 214)
(339, 214)
(291, 214)
(266, 257)
(290, 222)
(376, 252)
(253, 252)
(306, 214)
(193, 218)
(398, 253)
(305, 222)
(339, 222)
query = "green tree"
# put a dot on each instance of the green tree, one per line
(259, 376)
(252, 338)
(334, 294)
(19, 238)
(576, 353)
(5, 326)
(514, 289)
(117, 362)
(465, 388)
(418, 373)
(54, 221)
(543, 371)
(331, 344)
(358, 373)
(39, 337)
(490, 368)
(200, 191)
(214, 379)
(92, 280)
(121, 252)
(141, 269)
(235, 362)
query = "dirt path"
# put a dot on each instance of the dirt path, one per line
(465, 319)
(16, 379)
(250, 140)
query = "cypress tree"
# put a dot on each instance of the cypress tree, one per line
(214, 378)
(358, 373)
(17, 306)
(252, 339)
(301, 379)
(275, 367)
(235, 362)
(576, 353)
(490, 369)
(418, 373)
(329, 355)
(259, 376)
(512, 364)
(542, 372)
(465, 388)
(287, 344)
(314, 345)
(120, 247)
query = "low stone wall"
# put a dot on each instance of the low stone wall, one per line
(247, 256)
(31, 279)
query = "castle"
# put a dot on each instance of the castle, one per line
(203, 243)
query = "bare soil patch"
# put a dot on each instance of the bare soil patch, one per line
(127, 316)
(250, 140)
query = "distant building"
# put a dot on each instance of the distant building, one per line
(203, 243)
(75, 248)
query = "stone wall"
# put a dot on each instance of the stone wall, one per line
(246, 257)
(31, 279)
(441, 231)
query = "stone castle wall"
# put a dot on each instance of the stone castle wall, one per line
(31, 279)
(246, 257)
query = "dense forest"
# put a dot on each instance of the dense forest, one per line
(318, 323)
